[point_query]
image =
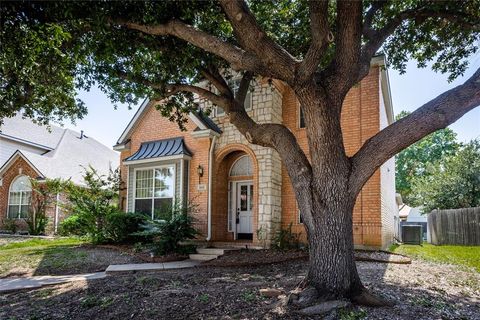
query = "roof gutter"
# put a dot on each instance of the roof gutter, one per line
(209, 203)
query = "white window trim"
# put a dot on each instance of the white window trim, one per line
(10, 191)
(249, 96)
(174, 165)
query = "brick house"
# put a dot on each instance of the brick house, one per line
(242, 191)
(30, 151)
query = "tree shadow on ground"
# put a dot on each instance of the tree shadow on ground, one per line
(223, 293)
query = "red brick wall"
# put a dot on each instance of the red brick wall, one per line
(152, 126)
(19, 167)
(360, 121)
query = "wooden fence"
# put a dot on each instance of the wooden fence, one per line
(455, 226)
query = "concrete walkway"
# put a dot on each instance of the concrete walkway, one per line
(152, 266)
(11, 284)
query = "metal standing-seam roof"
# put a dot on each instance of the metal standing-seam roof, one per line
(160, 148)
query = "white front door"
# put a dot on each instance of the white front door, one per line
(244, 210)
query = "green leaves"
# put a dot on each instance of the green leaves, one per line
(451, 183)
(415, 161)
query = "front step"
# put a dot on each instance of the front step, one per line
(203, 257)
(212, 251)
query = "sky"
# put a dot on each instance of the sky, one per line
(409, 91)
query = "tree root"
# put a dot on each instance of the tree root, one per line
(367, 299)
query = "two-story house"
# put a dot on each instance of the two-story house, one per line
(242, 191)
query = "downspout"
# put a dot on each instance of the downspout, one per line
(209, 202)
(56, 212)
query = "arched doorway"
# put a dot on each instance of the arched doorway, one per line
(235, 196)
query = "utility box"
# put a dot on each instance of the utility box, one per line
(412, 234)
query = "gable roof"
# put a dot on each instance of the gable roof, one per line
(199, 118)
(72, 152)
(27, 132)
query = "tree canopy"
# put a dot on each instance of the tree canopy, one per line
(413, 162)
(49, 50)
(451, 183)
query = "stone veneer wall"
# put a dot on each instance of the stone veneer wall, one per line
(266, 108)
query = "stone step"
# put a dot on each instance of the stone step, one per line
(202, 257)
(213, 251)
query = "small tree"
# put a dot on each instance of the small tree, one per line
(452, 183)
(93, 202)
(43, 196)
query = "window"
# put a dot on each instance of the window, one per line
(301, 122)
(242, 167)
(154, 191)
(235, 85)
(19, 198)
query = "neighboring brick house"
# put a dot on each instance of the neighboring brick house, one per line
(242, 191)
(30, 151)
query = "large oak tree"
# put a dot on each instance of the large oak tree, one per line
(321, 49)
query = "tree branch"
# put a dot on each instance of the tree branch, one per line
(244, 87)
(434, 115)
(237, 57)
(254, 39)
(211, 74)
(321, 37)
(377, 37)
(171, 89)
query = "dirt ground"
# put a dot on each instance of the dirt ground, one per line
(420, 290)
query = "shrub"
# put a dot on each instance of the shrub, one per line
(10, 225)
(43, 196)
(93, 203)
(121, 227)
(285, 239)
(169, 232)
(73, 225)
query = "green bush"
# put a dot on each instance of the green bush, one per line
(121, 227)
(73, 225)
(169, 232)
(93, 203)
(285, 239)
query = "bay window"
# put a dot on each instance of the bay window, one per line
(155, 190)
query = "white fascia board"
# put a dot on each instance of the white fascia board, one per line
(29, 143)
(14, 157)
(133, 121)
(197, 121)
(142, 161)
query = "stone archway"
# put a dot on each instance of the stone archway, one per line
(222, 218)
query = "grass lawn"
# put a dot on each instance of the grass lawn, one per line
(55, 257)
(468, 256)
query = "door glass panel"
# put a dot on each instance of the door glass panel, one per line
(250, 198)
(243, 198)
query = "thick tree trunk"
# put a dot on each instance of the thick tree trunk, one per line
(332, 270)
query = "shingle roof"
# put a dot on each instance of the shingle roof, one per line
(71, 152)
(26, 130)
(159, 149)
(207, 121)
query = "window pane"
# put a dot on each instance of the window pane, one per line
(250, 198)
(164, 182)
(163, 208)
(302, 118)
(144, 206)
(26, 196)
(13, 212)
(21, 183)
(14, 198)
(243, 198)
(144, 184)
(24, 211)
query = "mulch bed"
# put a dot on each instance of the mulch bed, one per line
(244, 257)
(421, 291)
